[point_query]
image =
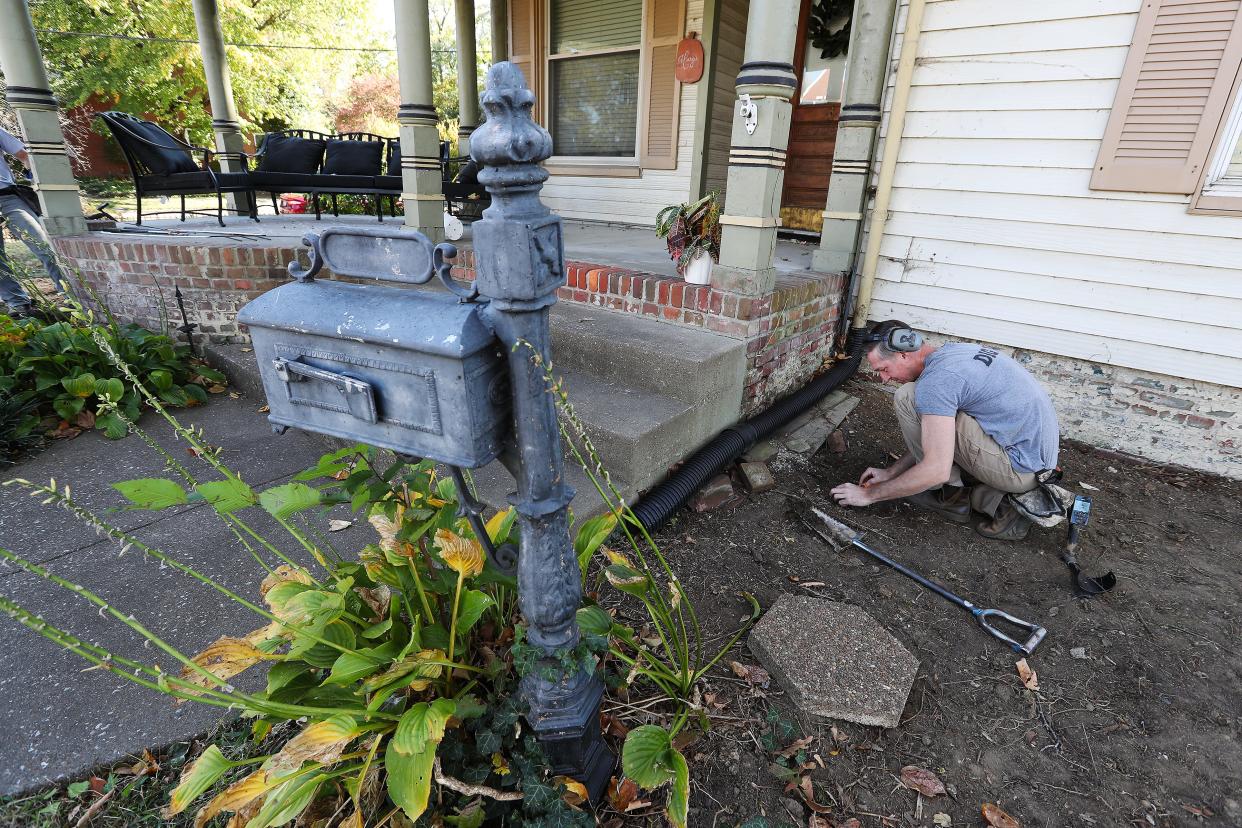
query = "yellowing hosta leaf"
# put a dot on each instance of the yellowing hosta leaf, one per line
(415, 667)
(354, 820)
(462, 555)
(498, 522)
(282, 574)
(627, 579)
(272, 630)
(678, 808)
(233, 798)
(225, 658)
(322, 742)
(422, 725)
(201, 774)
(617, 558)
(387, 528)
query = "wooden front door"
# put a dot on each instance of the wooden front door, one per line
(812, 139)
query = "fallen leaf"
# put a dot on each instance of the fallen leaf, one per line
(807, 788)
(921, 780)
(795, 746)
(997, 818)
(64, 431)
(1029, 680)
(942, 820)
(1200, 811)
(216, 389)
(752, 674)
(614, 727)
(1088, 486)
(264, 409)
(145, 766)
(621, 793)
(575, 792)
(85, 419)
(817, 821)
(97, 784)
(838, 736)
(233, 395)
(246, 350)
(852, 822)
(338, 525)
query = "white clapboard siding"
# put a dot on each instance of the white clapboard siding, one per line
(1210, 283)
(994, 233)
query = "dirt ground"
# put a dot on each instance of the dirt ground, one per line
(1138, 727)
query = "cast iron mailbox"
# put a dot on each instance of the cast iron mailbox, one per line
(415, 371)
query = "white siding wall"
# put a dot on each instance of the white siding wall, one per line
(634, 200)
(993, 233)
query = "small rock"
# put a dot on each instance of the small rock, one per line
(942, 820)
(794, 808)
(757, 477)
(1053, 612)
(714, 495)
(1078, 652)
(837, 444)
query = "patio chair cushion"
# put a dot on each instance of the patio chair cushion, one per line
(284, 181)
(353, 158)
(167, 157)
(290, 154)
(189, 183)
(328, 183)
(389, 183)
(393, 167)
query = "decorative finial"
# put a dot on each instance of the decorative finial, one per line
(509, 136)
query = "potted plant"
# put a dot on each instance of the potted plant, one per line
(692, 233)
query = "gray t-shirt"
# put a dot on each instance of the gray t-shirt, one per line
(1008, 403)
(12, 145)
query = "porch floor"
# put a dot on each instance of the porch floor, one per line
(615, 245)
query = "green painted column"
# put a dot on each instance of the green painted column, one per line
(500, 30)
(224, 120)
(757, 151)
(870, 32)
(467, 76)
(30, 95)
(422, 193)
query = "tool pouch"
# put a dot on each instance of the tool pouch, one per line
(1047, 503)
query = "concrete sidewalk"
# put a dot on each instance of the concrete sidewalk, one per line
(57, 721)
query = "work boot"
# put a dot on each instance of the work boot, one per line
(1009, 524)
(950, 502)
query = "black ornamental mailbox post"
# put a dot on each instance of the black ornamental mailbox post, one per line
(453, 376)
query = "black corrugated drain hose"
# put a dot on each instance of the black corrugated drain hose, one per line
(666, 498)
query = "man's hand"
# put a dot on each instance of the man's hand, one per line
(847, 494)
(872, 476)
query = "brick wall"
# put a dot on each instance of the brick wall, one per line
(787, 333)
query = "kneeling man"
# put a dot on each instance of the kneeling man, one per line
(968, 414)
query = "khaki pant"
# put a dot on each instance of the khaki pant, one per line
(973, 450)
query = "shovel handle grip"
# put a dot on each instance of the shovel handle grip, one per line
(839, 532)
(1035, 633)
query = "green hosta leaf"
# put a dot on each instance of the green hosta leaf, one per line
(152, 493)
(409, 778)
(287, 800)
(202, 773)
(473, 604)
(628, 579)
(194, 392)
(161, 379)
(110, 389)
(594, 620)
(79, 385)
(113, 427)
(377, 629)
(321, 655)
(591, 535)
(330, 464)
(281, 674)
(678, 808)
(349, 667)
(422, 726)
(289, 499)
(646, 759)
(68, 407)
(227, 496)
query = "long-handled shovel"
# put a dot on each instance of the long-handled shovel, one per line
(846, 536)
(1086, 584)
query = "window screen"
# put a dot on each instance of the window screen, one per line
(587, 25)
(594, 105)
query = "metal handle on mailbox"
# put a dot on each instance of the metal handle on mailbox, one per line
(359, 395)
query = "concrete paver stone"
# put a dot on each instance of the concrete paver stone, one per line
(834, 660)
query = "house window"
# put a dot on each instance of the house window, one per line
(1224, 174)
(593, 77)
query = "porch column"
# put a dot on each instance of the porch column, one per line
(500, 30)
(224, 122)
(757, 154)
(31, 97)
(870, 32)
(467, 76)
(422, 194)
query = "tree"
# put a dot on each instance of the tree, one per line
(149, 62)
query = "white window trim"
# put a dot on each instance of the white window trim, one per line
(1212, 197)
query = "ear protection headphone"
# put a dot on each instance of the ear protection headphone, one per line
(897, 338)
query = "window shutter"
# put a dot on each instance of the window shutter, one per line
(523, 45)
(665, 20)
(1173, 93)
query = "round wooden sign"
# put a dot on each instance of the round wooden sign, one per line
(689, 60)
